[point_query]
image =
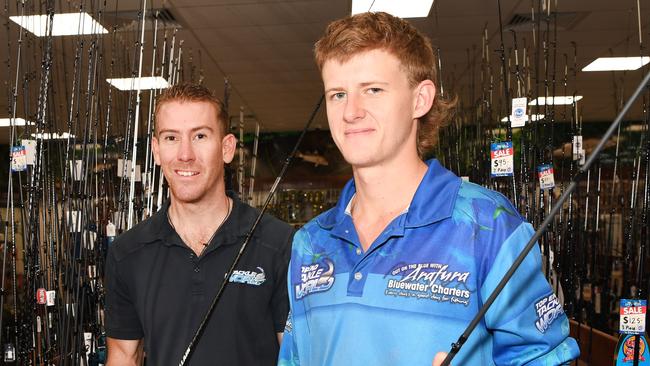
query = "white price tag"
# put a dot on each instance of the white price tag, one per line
(578, 151)
(124, 170)
(502, 155)
(110, 229)
(632, 320)
(76, 167)
(30, 149)
(74, 221)
(50, 297)
(518, 117)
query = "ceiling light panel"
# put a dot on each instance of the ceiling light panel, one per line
(558, 100)
(143, 83)
(402, 9)
(6, 122)
(617, 63)
(66, 24)
(52, 136)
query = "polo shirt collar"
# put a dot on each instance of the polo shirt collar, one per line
(433, 200)
(233, 229)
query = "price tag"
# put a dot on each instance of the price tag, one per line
(110, 229)
(74, 221)
(50, 297)
(124, 170)
(632, 319)
(41, 296)
(76, 167)
(502, 155)
(545, 175)
(18, 158)
(518, 117)
(578, 149)
(30, 150)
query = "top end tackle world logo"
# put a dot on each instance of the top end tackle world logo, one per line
(316, 277)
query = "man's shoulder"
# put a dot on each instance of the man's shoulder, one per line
(134, 239)
(474, 199)
(271, 231)
(475, 192)
(317, 229)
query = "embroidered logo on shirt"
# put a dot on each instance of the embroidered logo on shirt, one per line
(548, 309)
(433, 281)
(316, 277)
(249, 277)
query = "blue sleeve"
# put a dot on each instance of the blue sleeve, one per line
(527, 321)
(288, 350)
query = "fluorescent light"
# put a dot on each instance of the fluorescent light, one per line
(561, 100)
(402, 9)
(617, 63)
(66, 24)
(6, 122)
(536, 117)
(146, 83)
(52, 136)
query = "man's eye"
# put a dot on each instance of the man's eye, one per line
(337, 96)
(200, 136)
(169, 138)
(374, 90)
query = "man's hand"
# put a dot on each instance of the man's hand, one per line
(440, 356)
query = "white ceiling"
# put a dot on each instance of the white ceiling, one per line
(264, 48)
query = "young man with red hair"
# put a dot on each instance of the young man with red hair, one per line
(394, 273)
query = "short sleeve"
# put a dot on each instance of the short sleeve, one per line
(280, 298)
(122, 321)
(288, 350)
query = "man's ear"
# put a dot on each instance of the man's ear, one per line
(228, 147)
(154, 149)
(425, 94)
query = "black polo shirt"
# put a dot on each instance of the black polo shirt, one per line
(159, 290)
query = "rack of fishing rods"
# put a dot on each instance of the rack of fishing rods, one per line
(594, 253)
(81, 171)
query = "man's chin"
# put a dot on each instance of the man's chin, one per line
(185, 197)
(360, 162)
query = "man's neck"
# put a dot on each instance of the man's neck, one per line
(383, 193)
(389, 187)
(199, 220)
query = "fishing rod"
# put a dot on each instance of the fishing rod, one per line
(506, 91)
(161, 177)
(240, 146)
(251, 184)
(149, 167)
(197, 335)
(134, 147)
(10, 224)
(556, 208)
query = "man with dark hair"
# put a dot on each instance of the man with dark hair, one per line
(162, 275)
(394, 273)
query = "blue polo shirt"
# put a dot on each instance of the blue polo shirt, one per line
(420, 283)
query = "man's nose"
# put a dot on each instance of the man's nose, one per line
(354, 108)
